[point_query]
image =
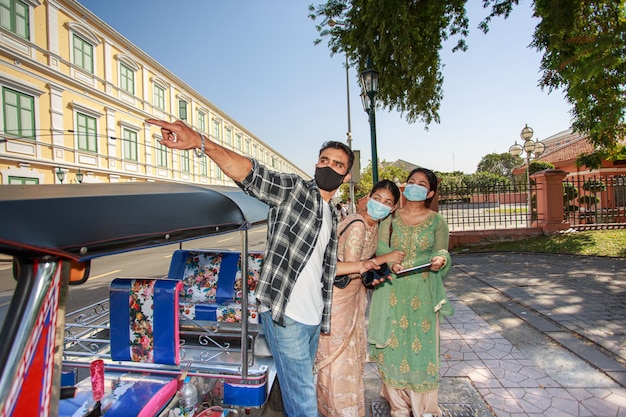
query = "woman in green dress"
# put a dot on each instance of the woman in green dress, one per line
(404, 316)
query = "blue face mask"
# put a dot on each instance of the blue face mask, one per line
(414, 192)
(377, 210)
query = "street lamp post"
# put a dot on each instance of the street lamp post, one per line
(369, 89)
(79, 176)
(529, 147)
(331, 23)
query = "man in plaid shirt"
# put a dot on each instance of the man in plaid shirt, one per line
(299, 267)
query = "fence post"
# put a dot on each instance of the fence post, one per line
(550, 200)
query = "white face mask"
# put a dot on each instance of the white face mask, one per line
(377, 210)
(415, 192)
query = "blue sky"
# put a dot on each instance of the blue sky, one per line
(256, 61)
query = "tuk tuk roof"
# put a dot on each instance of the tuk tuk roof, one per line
(84, 221)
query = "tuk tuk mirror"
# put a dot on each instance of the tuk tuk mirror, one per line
(79, 271)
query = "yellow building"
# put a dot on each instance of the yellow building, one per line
(75, 94)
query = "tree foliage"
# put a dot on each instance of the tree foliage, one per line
(501, 164)
(584, 46)
(408, 60)
(364, 186)
(583, 43)
(536, 166)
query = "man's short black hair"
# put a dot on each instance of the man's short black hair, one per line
(333, 144)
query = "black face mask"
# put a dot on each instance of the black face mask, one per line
(327, 179)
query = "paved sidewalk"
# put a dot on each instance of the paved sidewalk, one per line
(532, 335)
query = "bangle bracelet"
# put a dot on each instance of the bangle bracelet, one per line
(200, 152)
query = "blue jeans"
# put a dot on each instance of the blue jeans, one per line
(293, 348)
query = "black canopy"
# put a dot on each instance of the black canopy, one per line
(84, 221)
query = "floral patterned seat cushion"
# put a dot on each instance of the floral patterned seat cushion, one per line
(144, 320)
(254, 268)
(200, 277)
(212, 284)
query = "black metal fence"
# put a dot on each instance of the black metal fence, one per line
(587, 202)
(595, 200)
(501, 205)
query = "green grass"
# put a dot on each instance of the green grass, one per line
(610, 243)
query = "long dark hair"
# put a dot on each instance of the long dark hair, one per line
(389, 185)
(432, 181)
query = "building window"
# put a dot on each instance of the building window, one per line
(216, 130)
(14, 17)
(238, 141)
(19, 114)
(201, 122)
(161, 155)
(130, 144)
(228, 137)
(86, 132)
(159, 97)
(184, 161)
(127, 79)
(203, 166)
(23, 181)
(182, 110)
(83, 54)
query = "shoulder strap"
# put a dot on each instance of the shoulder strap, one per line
(348, 225)
(393, 216)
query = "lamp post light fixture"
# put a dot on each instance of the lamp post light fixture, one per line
(530, 147)
(60, 175)
(79, 176)
(369, 89)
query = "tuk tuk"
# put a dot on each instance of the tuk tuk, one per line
(198, 319)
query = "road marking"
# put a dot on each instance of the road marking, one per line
(104, 275)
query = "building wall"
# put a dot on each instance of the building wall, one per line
(43, 71)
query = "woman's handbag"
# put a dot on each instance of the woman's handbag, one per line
(342, 281)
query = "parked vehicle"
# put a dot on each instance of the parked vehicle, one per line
(54, 231)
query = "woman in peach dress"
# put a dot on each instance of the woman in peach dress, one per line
(342, 354)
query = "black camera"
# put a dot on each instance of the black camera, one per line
(373, 274)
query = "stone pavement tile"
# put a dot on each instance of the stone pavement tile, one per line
(474, 369)
(599, 408)
(587, 352)
(457, 349)
(512, 374)
(493, 348)
(502, 402)
(532, 401)
(484, 379)
(620, 377)
(475, 330)
(615, 397)
(566, 402)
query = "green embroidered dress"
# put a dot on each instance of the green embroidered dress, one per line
(403, 329)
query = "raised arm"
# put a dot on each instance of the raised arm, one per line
(178, 135)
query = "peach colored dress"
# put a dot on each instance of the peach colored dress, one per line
(342, 354)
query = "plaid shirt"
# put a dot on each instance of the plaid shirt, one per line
(294, 223)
